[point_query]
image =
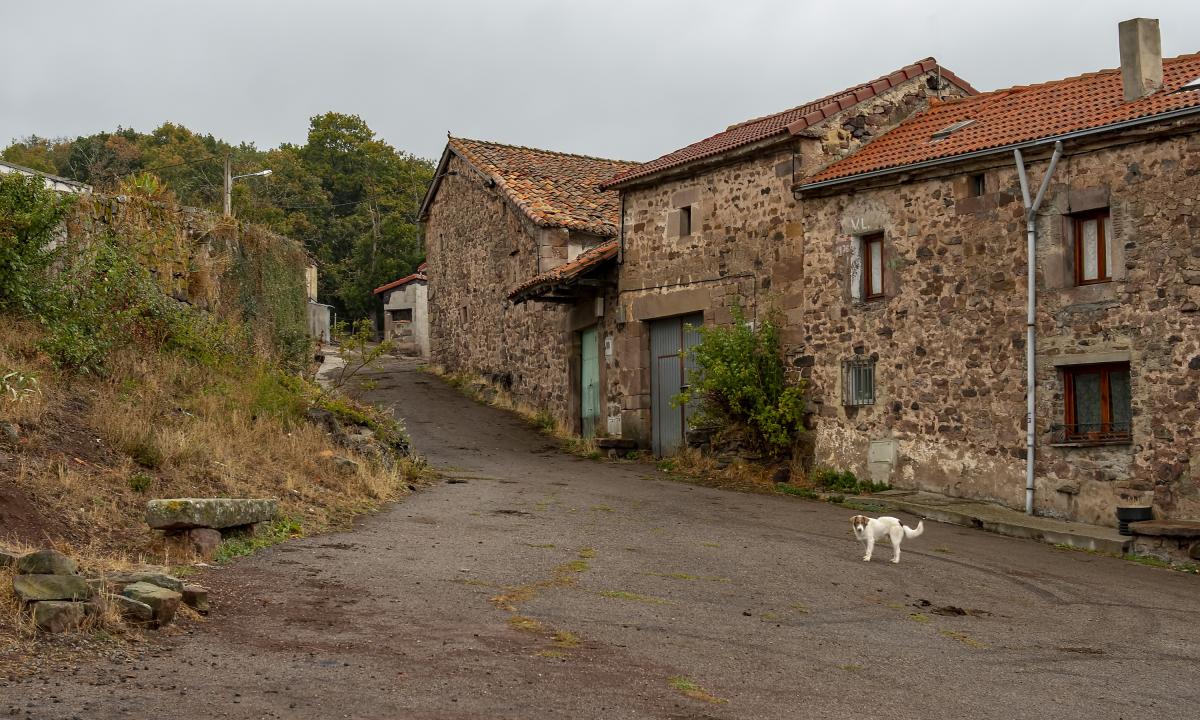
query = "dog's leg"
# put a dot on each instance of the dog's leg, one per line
(870, 548)
(897, 535)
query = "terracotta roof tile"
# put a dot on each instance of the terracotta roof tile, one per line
(790, 121)
(419, 275)
(1016, 115)
(553, 189)
(567, 271)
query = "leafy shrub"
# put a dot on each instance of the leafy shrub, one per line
(29, 216)
(140, 482)
(740, 382)
(16, 386)
(844, 481)
(279, 395)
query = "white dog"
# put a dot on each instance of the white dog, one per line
(869, 530)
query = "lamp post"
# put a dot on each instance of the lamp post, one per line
(229, 184)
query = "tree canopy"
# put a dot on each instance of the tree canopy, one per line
(348, 195)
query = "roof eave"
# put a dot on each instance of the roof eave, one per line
(701, 164)
(936, 162)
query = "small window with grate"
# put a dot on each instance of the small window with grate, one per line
(858, 382)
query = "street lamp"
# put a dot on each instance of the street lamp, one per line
(229, 184)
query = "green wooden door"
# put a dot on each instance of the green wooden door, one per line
(589, 350)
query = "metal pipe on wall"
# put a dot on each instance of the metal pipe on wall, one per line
(1031, 208)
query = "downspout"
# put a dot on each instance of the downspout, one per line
(1031, 209)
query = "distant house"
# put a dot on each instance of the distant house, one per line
(497, 217)
(406, 313)
(53, 182)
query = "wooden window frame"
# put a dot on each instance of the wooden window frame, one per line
(1103, 262)
(1106, 433)
(865, 243)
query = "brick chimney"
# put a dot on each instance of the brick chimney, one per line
(1141, 57)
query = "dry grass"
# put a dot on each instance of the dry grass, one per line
(695, 467)
(97, 449)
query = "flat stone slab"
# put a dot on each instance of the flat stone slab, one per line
(119, 581)
(217, 513)
(34, 588)
(1166, 528)
(47, 562)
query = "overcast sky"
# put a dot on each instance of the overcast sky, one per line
(622, 79)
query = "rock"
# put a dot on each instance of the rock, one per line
(163, 602)
(196, 597)
(8, 558)
(34, 588)
(47, 562)
(119, 581)
(134, 611)
(344, 464)
(10, 431)
(57, 616)
(1194, 551)
(218, 513)
(204, 541)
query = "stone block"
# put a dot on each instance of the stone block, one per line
(134, 611)
(56, 616)
(34, 588)
(218, 513)
(163, 602)
(196, 597)
(47, 562)
(119, 581)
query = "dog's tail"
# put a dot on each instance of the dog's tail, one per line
(914, 532)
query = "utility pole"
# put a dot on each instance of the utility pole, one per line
(228, 187)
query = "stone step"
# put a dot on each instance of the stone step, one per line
(216, 513)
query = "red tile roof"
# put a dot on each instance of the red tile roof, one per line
(565, 273)
(418, 275)
(554, 189)
(1004, 118)
(783, 123)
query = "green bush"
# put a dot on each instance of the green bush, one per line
(740, 382)
(831, 480)
(29, 217)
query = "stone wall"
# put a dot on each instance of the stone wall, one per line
(949, 337)
(479, 247)
(743, 244)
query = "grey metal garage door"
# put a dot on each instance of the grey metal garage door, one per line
(668, 375)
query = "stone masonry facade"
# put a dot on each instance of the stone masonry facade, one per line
(948, 337)
(743, 245)
(480, 246)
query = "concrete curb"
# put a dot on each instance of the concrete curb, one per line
(1053, 532)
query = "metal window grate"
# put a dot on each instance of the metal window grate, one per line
(858, 382)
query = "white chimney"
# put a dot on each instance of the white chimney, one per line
(1141, 57)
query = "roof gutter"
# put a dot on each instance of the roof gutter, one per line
(1002, 149)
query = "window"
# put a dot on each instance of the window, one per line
(978, 185)
(872, 263)
(858, 382)
(1093, 247)
(1096, 403)
(685, 221)
(402, 315)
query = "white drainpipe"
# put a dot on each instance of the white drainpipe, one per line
(1031, 209)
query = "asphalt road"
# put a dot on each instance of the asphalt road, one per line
(537, 584)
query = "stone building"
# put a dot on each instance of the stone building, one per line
(405, 307)
(497, 217)
(714, 224)
(911, 324)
